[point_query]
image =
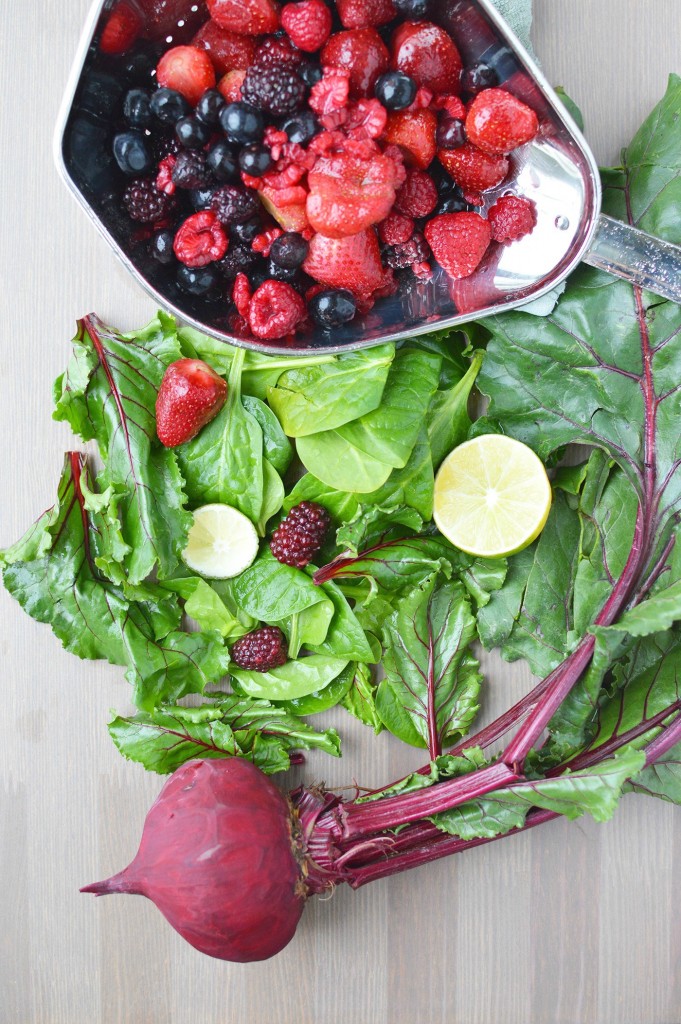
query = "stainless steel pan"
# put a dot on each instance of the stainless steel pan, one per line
(557, 171)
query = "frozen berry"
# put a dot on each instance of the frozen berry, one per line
(242, 123)
(276, 90)
(450, 134)
(512, 217)
(418, 196)
(255, 160)
(234, 205)
(276, 309)
(332, 308)
(238, 260)
(222, 163)
(192, 133)
(247, 231)
(289, 250)
(300, 534)
(139, 67)
(189, 170)
(200, 281)
(209, 106)
(413, 10)
(454, 203)
(261, 650)
(395, 90)
(161, 247)
(201, 198)
(396, 228)
(145, 203)
(137, 108)
(200, 240)
(310, 73)
(416, 250)
(291, 275)
(478, 77)
(307, 23)
(275, 51)
(188, 70)
(132, 153)
(169, 106)
(301, 128)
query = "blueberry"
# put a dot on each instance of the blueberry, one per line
(453, 204)
(255, 160)
(242, 123)
(88, 153)
(161, 246)
(132, 153)
(139, 66)
(288, 274)
(332, 308)
(209, 106)
(289, 250)
(100, 94)
(301, 127)
(192, 133)
(201, 198)
(395, 90)
(137, 108)
(248, 230)
(169, 106)
(221, 162)
(310, 73)
(478, 77)
(444, 182)
(413, 10)
(197, 280)
(450, 134)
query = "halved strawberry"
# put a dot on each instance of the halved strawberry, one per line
(414, 131)
(353, 263)
(287, 206)
(349, 194)
(498, 122)
(426, 53)
(187, 70)
(459, 241)
(245, 17)
(230, 85)
(122, 28)
(362, 52)
(472, 169)
(364, 13)
(227, 50)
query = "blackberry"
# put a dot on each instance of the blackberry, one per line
(190, 170)
(238, 260)
(165, 145)
(145, 203)
(416, 250)
(234, 205)
(275, 51)
(261, 650)
(276, 90)
(301, 534)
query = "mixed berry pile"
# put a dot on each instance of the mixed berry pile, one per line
(298, 162)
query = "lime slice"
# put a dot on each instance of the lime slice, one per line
(222, 542)
(492, 496)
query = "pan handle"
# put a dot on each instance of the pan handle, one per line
(636, 257)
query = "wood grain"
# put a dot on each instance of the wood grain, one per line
(569, 924)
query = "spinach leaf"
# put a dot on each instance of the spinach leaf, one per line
(341, 505)
(413, 485)
(287, 682)
(273, 495)
(448, 419)
(322, 700)
(205, 606)
(270, 591)
(278, 448)
(360, 698)
(345, 637)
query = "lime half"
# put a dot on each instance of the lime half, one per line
(492, 496)
(222, 542)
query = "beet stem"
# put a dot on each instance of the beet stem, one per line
(120, 883)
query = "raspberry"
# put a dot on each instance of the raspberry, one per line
(238, 260)
(189, 169)
(164, 177)
(234, 205)
(275, 310)
(242, 294)
(274, 51)
(418, 196)
(308, 24)
(331, 92)
(512, 218)
(145, 203)
(301, 534)
(396, 229)
(200, 240)
(261, 650)
(277, 90)
(416, 250)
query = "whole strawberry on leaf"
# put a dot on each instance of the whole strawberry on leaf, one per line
(190, 396)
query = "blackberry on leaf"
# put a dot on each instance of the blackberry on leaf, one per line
(300, 534)
(261, 650)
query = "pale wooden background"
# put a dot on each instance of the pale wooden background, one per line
(569, 924)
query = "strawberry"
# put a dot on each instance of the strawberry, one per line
(362, 52)
(459, 241)
(227, 50)
(164, 17)
(187, 70)
(286, 206)
(353, 263)
(418, 196)
(246, 17)
(308, 24)
(365, 13)
(200, 240)
(190, 396)
(276, 310)
(512, 217)
(122, 28)
(498, 122)
(349, 194)
(472, 169)
(414, 131)
(427, 54)
(230, 85)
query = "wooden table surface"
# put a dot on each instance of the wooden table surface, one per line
(568, 924)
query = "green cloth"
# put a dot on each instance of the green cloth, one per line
(518, 13)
